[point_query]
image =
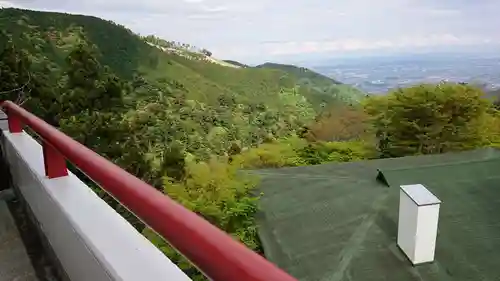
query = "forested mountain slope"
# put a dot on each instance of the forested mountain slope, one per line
(247, 105)
(53, 34)
(302, 72)
(318, 88)
(183, 124)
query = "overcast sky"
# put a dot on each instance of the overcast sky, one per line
(267, 29)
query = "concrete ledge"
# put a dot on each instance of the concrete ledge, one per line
(90, 240)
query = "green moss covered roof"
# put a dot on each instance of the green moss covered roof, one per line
(339, 221)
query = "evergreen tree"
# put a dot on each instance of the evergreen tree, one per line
(88, 85)
(15, 76)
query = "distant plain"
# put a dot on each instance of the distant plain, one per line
(378, 75)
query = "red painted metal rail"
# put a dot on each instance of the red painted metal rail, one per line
(213, 251)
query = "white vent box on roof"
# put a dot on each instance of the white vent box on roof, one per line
(418, 223)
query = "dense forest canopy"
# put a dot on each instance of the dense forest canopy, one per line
(188, 126)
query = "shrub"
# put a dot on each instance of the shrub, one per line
(217, 193)
(324, 152)
(276, 154)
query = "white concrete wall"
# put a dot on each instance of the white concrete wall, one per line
(91, 240)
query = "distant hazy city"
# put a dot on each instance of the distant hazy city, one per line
(378, 75)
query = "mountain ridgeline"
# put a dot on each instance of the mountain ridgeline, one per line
(302, 72)
(236, 63)
(318, 88)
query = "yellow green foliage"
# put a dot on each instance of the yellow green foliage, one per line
(215, 191)
(490, 128)
(227, 198)
(276, 154)
(324, 152)
(428, 119)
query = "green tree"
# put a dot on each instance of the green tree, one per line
(88, 84)
(27, 80)
(428, 119)
(173, 162)
(215, 191)
(90, 110)
(14, 71)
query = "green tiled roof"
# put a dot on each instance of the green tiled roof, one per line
(338, 221)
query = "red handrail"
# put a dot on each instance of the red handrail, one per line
(214, 252)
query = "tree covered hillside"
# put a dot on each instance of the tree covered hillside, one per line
(302, 72)
(54, 34)
(317, 88)
(247, 105)
(183, 124)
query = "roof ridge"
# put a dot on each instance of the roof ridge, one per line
(441, 164)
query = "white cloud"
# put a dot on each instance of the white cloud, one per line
(444, 12)
(352, 44)
(213, 16)
(215, 9)
(349, 45)
(9, 4)
(265, 28)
